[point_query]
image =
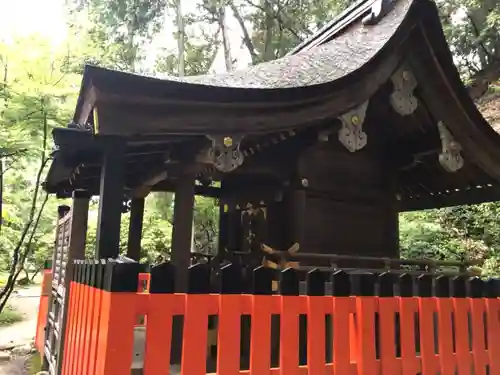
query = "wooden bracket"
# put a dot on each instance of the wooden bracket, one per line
(450, 157)
(225, 153)
(402, 99)
(351, 134)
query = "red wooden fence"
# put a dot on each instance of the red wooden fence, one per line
(43, 310)
(101, 323)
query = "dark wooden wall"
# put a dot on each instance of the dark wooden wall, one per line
(334, 202)
(348, 205)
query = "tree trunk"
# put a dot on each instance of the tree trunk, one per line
(4, 85)
(180, 38)
(268, 53)
(1, 192)
(247, 40)
(225, 38)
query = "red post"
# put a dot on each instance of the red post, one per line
(229, 333)
(117, 319)
(365, 335)
(387, 308)
(194, 346)
(445, 334)
(260, 333)
(427, 307)
(43, 309)
(410, 364)
(461, 310)
(480, 357)
(317, 307)
(343, 339)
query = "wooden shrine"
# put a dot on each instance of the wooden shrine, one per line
(322, 148)
(317, 152)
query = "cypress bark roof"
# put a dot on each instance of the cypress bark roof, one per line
(346, 64)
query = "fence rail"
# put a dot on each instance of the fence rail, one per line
(436, 325)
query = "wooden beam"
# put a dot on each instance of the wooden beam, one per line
(111, 199)
(204, 191)
(223, 225)
(135, 228)
(473, 195)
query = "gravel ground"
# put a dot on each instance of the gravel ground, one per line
(26, 301)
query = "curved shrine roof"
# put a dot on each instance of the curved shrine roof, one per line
(352, 61)
(296, 89)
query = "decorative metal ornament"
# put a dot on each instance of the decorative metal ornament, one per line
(225, 152)
(351, 135)
(450, 157)
(378, 11)
(402, 99)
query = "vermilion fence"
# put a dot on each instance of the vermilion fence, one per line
(442, 325)
(43, 308)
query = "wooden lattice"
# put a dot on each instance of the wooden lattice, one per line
(57, 296)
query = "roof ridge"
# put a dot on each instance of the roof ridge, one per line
(335, 26)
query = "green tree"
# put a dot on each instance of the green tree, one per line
(37, 97)
(118, 30)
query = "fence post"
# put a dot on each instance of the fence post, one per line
(477, 307)
(366, 348)
(387, 309)
(70, 324)
(96, 284)
(262, 299)
(195, 330)
(493, 324)
(407, 308)
(289, 327)
(77, 318)
(461, 324)
(426, 311)
(87, 310)
(229, 332)
(43, 307)
(445, 326)
(344, 338)
(162, 306)
(117, 318)
(316, 322)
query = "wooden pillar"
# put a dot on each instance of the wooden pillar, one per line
(181, 252)
(297, 207)
(77, 240)
(79, 222)
(223, 227)
(111, 198)
(393, 217)
(182, 230)
(234, 228)
(135, 228)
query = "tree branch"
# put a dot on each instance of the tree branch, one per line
(247, 40)
(11, 280)
(9, 287)
(13, 153)
(477, 33)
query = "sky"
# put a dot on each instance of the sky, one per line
(47, 18)
(25, 17)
